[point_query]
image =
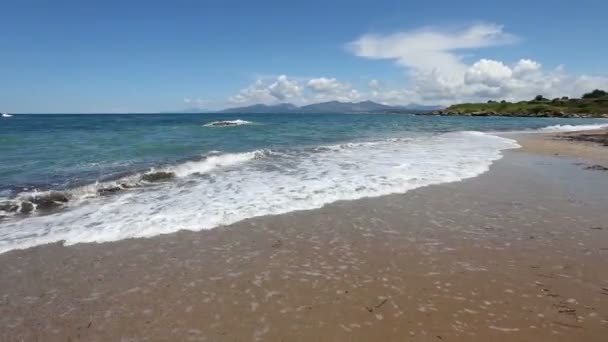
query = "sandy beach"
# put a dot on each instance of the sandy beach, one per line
(516, 254)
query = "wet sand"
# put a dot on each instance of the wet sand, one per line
(589, 145)
(516, 254)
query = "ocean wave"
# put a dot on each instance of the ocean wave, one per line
(244, 185)
(35, 202)
(571, 128)
(227, 123)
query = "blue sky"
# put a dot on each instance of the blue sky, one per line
(149, 56)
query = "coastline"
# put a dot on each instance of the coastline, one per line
(516, 254)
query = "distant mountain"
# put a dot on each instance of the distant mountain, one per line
(333, 107)
(346, 107)
(262, 108)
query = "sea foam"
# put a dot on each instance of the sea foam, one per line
(226, 188)
(571, 128)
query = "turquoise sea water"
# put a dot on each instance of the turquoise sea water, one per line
(268, 164)
(61, 151)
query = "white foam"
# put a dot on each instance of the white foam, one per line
(571, 128)
(226, 123)
(239, 186)
(213, 162)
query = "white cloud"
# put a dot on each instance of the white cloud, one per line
(297, 91)
(282, 89)
(436, 71)
(526, 67)
(328, 89)
(488, 72)
(430, 49)
(439, 75)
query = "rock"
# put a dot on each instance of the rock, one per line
(58, 196)
(159, 176)
(597, 168)
(49, 200)
(26, 207)
(224, 123)
(108, 191)
(9, 207)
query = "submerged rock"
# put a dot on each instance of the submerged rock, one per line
(224, 123)
(597, 168)
(9, 207)
(108, 191)
(48, 200)
(26, 207)
(159, 176)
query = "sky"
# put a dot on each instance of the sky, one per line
(151, 56)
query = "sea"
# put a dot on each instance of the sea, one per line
(107, 177)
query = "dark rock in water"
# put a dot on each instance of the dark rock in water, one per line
(157, 176)
(597, 168)
(224, 123)
(108, 191)
(44, 203)
(9, 207)
(26, 207)
(58, 197)
(49, 200)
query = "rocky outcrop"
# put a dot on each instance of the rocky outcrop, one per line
(550, 114)
(159, 176)
(108, 191)
(26, 207)
(49, 200)
(9, 207)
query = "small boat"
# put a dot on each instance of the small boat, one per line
(6, 115)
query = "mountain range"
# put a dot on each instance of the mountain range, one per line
(331, 107)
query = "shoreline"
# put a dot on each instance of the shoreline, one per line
(584, 145)
(505, 255)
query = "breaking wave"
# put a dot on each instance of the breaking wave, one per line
(571, 128)
(221, 189)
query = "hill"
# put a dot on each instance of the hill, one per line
(262, 108)
(593, 104)
(331, 107)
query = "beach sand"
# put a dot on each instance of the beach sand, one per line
(519, 253)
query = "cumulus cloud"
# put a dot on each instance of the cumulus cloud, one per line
(325, 89)
(439, 75)
(298, 91)
(435, 72)
(281, 89)
(488, 72)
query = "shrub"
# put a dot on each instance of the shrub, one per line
(595, 94)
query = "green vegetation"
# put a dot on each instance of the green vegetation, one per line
(593, 104)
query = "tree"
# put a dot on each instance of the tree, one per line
(540, 98)
(595, 94)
